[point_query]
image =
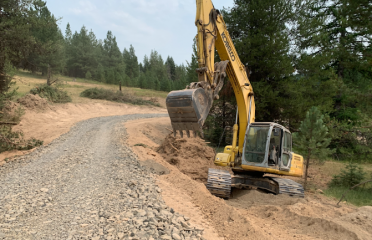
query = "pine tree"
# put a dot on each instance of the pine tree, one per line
(142, 80)
(84, 52)
(171, 68)
(17, 18)
(334, 39)
(261, 35)
(191, 67)
(146, 64)
(113, 59)
(48, 34)
(340, 32)
(131, 62)
(110, 76)
(352, 175)
(165, 85)
(100, 73)
(68, 34)
(312, 138)
(181, 78)
(88, 75)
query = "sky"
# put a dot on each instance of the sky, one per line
(166, 26)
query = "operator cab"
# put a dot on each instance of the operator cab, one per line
(267, 145)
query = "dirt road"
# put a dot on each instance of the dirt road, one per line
(86, 185)
(48, 122)
(97, 182)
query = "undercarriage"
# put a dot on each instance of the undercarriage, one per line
(220, 183)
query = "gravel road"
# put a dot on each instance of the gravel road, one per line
(86, 185)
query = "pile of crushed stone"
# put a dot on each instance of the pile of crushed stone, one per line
(34, 102)
(190, 155)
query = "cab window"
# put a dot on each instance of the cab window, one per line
(255, 146)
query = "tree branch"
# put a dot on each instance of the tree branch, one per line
(9, 123)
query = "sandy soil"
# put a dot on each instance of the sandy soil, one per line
(47, 122)
(182, 167)
(249, 214)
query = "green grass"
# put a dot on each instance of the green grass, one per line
(141, 145)
(149, 93)
(115, 96)
(25, 81)
(53, 94)
(359, 197)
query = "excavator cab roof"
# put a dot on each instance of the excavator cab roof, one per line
(277, 125)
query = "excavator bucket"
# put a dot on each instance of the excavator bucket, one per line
(188, 110)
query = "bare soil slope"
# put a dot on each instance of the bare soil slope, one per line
(186, 153)
(249, 214)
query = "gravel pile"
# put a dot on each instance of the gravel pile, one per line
(87, 185)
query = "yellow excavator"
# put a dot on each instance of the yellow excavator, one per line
(257, 148)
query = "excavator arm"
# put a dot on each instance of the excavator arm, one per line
(188, 109)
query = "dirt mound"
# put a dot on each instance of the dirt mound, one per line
(359, 222)
(248, 214)
(10, 107)
(190, 155)
(244, 198)
(34, 102)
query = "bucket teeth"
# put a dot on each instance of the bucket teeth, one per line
(188, 133)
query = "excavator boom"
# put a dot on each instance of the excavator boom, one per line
(257, 148)
(188, 109)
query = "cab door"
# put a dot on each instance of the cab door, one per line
(286, 158)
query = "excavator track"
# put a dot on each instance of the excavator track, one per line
(220, 183)
(289, 187)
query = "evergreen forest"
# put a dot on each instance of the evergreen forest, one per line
(298, 54)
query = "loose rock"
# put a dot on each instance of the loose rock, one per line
(86, 185)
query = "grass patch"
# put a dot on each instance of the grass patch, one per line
(53, 94)
(140, 144)
(25, 81)
(10, 140)
(23, 73)
(149, 93)
(360, 197)
(110, 95)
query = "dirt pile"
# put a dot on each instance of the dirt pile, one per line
(10, 107)
(190, 155)
(11, 112)
(359, 222)
(34, 102)
(248, 214)
(245, 198)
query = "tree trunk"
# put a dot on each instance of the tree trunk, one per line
(307, 166)
(49, 81)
